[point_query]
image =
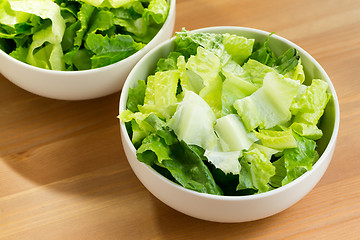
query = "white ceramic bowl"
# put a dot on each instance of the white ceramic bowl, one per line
(234, 208)
(80, 85)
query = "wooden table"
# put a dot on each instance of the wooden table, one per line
(64, 175)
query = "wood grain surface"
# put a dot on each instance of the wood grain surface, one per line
(64, 175)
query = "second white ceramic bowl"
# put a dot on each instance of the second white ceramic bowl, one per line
(80, 85)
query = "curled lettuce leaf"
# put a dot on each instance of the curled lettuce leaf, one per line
(234, 87)
(256, 171)
(310, 107)
(269, 106)
(108, 50)
(228, 162)
(232, 133)
(193, 122)
(240, 48)
(300, 159)
(276, 139)
(158, 10)
(206, 65)
(160, 94)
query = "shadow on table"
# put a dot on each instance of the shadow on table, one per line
(172, 222)
(61, 142)
(182, 226)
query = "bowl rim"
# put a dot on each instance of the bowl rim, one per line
(327, 151)
(104, 68)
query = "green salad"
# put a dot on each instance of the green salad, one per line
(222, 114)
(78, 35)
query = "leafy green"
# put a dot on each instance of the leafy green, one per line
(136, 96)
(108, 50)
(300, 159)
(228, 162)
(160, 94)
(221, 115)
(78, 35)
(206, 65)
(267, 108)
(193, 121)
(257, 171)
(188, 168)
(232, 133)
(169, 63)
(158, 10)
(240, 48)
(310, 107)
(263, 54)
(285, 63)
(276, 139)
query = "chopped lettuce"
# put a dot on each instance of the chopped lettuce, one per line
(232, 134)
(222, 114)
(267, 108)
(160, 94)
(240, 48)
(206, 65)
(193, 122)
(228, 162)
(78, 35)
(258, 171)
(276, 139)
(108, 50)
(300, 159)
(310, 107)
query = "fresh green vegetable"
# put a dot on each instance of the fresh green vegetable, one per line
(78, 35)
(223, 114)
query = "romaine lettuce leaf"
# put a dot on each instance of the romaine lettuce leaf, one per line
(188, 168)
(193, 122)
(263, 54)
(310, 131)
(102, 20)
(276, 181)
(276, 139)
(187, 43)
(228, 162)
(136, 96)
(207, 65)
(169, 63)
(240, 48)
(256, 71)
(310, 107)
(9, 16)
(268, 106)
(285, 63)
(234, 87)
(158, 10)
(160, 94)
(188, 83)
(288, 61)
(297, 73)
(156, 145)
(232, 133)
(300, 159)
(256, 171)
(109, 50)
